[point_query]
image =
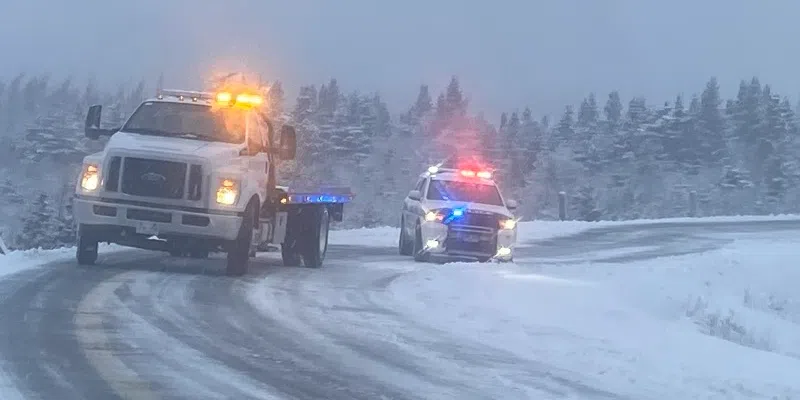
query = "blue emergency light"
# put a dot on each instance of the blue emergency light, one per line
(456, 213)
(318, 198)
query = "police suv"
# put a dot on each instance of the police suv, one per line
(457, 213)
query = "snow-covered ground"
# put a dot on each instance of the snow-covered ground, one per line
(720, 324)
(724, 323)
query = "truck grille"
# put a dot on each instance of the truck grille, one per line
(112, 181)
(154, 178)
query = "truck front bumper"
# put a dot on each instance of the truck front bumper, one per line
(441, 239)
(145, 219)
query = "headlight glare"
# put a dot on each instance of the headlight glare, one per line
(90, 178)
(508, 224)
(228, 192)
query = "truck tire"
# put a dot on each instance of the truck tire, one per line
(291, 257)
(314, 241)
(239, 248)
(86, 251)
(419, 254)
(405, 246)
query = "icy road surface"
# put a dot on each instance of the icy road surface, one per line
(679, 310)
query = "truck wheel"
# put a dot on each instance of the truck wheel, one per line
(239, 249)
(86, 252)
(315, 239)
(290, 256)
(406, 247)
(419, 254)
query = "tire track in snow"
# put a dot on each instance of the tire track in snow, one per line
(39, 342)
(351, 311)
(165, 357)
(204, 314)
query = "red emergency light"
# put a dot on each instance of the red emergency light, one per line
(480, 174)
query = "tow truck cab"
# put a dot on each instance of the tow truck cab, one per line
(457, 213)
(195, 172)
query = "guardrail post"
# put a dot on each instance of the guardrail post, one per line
(3, 248)
(562, 206)
(692, 203)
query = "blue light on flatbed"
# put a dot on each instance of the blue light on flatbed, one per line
(318, 198)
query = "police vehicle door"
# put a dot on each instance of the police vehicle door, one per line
(412, 209)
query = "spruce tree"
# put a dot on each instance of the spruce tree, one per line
(39, 226)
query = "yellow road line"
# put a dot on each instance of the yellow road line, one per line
(97, 348)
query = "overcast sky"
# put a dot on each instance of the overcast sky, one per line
(508, 54)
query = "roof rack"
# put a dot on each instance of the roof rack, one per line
(181, 94)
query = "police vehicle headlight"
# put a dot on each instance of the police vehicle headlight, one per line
(508, 224)
(434, 216)
(228, 192)
(90, 178)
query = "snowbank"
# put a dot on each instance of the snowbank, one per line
(724, 324)
(539, 230)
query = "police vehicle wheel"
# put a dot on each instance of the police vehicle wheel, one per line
(316, 237)
(86, 252)
(405, 247)
(239, 250)
(419, 254)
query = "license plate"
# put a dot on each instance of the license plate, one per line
(470, 238)
(147, 228)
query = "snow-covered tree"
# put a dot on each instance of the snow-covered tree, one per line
(40, 228)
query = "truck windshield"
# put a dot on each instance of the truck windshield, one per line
(464, 191)
(186, 120)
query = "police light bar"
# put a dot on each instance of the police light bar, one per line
(480, 174)
(469, 173)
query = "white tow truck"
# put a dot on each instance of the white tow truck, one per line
(457, 213)
(194, 172)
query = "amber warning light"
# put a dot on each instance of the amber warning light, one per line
(242, 100)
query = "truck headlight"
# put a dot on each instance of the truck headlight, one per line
(508, 224)
(228, 192)
(90, 178)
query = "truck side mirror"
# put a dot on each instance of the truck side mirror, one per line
(511, 205)
(91, 128)
(415, 195)
(288, 149)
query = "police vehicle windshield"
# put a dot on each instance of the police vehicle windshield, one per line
(187, 120)
(471, 192)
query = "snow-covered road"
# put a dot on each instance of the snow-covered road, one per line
(703, 309)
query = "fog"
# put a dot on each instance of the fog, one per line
(508, 54)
